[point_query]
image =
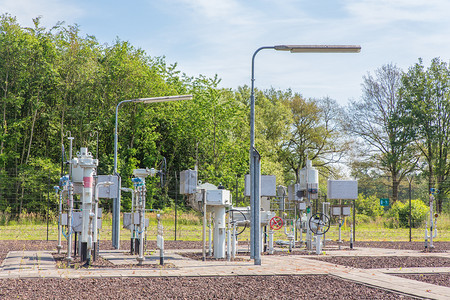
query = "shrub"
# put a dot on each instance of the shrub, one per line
(363, 219)
(369, 206)
(398, 214)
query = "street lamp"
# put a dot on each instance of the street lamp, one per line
(255, 171)
(116, 203)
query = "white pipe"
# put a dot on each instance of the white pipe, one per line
(204, 224)
(142, 191)
(233, 241)
(59, 246)
(210, 235)
(69, 223)
(318, 244)
(229, 240)
(432, 234)
(219, 235)
(271, 250)
(95, 221)
(70, 212)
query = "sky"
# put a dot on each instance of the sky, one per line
(211, 37)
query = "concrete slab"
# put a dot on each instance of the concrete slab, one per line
(397, 284)
(28, 260)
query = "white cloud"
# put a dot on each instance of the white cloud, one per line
(385, 12)
(51, 11)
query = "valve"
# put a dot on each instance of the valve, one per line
(231, 212)
(319, 223)
(276, 223)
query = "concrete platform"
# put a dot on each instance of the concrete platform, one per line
(32, 264)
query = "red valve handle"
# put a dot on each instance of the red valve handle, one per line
(276, 223)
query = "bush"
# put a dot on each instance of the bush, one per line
(369, 206)
(363, 219)
(398, 214)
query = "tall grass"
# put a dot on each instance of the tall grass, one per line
(189, 227)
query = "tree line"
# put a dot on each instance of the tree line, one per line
(57, 83)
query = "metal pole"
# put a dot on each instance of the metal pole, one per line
(354, 221)
(204, 226)
(255, 180)
(116, 201)
(410, 180)
(256, 207)
(255, 222)
(176, 204)
(70, 212)
(48, 200)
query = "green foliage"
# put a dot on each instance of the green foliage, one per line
(426, 106)
(398, 214)
(368, 206)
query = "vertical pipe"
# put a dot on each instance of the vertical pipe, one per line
(410, 208)
(210, 238)
(431, 221)
(141, 207)
(59, 246)
(237, 190)
(204, 225)
(48, 200)
(257, 205)
(233, 241)
(340, 225)
(176, 204)
(70, 212)
(354, 221)
(228, 240)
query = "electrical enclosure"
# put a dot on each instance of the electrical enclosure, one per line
(218, 197)
(108, 191)
(342, 189)
(188, 182)
(268, 186)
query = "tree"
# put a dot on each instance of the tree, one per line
(316, 134)
(377, 121)
(426, 101)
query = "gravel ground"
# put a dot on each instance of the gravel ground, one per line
(101, 263)
(19, 245)
(385, 262)
(438, 279)
(438, 246)
(239, 287)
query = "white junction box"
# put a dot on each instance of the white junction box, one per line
(293, 190)
(342, 189)
(110, 191)
(130, 219)
(77, 220)
(188, 182)
(340, 210)
(218, 197)
(268, 186)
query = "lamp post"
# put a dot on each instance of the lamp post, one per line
(116, 201)
(255, 172)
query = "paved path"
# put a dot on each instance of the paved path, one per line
(28, 264)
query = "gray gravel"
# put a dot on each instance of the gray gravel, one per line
(237, 287)
(370, 262)
(438, 246)
(438, 279)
